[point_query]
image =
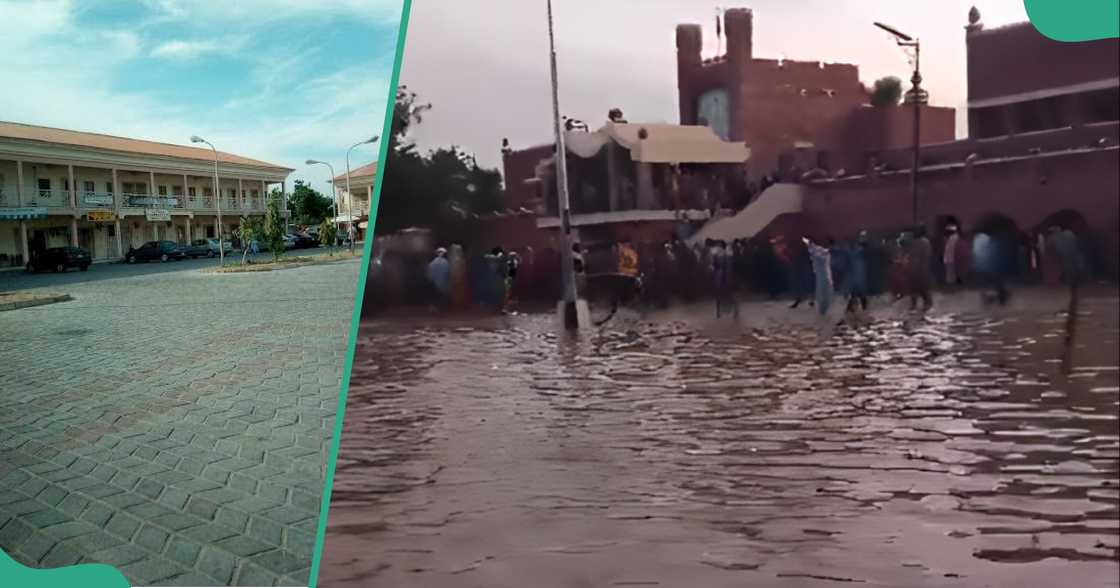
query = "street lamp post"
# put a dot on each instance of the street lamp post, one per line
(217, 199)
(570, 313)
(334, 189)
(915, 96)
(349, 199)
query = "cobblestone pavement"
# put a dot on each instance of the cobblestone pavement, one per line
(172, 423)
(912, 450)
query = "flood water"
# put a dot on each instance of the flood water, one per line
(674, 450)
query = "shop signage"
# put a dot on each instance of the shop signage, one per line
(99, 216)
(157, 215)
(26, 213)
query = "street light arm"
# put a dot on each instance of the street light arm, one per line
(899, 34)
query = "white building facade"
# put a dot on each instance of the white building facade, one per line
(354, 205)
(106, 194)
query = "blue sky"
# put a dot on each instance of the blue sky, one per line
(278, 80)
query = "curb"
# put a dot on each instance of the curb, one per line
(277, 269)
(35, 302)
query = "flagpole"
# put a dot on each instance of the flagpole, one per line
(569, 307)
(719, 34)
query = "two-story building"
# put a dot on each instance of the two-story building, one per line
(105, 193)
(353, 206)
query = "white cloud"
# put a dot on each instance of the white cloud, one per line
(189, 50)
(68, 75)
(125, 44)
(29, 19)
(260, 11)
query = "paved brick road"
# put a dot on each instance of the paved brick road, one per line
(171, 423)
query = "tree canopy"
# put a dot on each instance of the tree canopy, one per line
(434, 189)
(307, 205)
(887, 91)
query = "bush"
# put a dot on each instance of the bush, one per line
(887, 92)
(274, 227)
(328, 234)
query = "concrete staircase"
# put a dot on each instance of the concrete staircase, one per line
(775, 201)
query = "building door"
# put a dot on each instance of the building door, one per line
(38, 242)
(16, 258)
(85, 239)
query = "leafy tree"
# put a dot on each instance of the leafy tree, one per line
(434, 189)
(248, 230)
(274, 227)
(328, 233)
(887, 92)
(307, 205)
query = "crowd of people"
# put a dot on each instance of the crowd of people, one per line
(812, 268)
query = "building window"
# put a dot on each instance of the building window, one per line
(190, 191)
(109, 187)
(256, 194)
(90, 187)
(162, 190)
(65, 184)
(232, 194)
(45, 187)
(176, 190)
(208, 192)
(1101, 105)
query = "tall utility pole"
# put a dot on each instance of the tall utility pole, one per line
(569, 306)
(350, 232)
(334, 189)
(217, 199)
(916, 97)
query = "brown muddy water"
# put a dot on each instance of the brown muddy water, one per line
(675, 450)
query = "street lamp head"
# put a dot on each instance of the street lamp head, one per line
(197, 139)
(373, 139)
(312, 162)
(900, 35)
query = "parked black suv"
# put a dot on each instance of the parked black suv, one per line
(304, 241)
(161, 250)
(59, 259)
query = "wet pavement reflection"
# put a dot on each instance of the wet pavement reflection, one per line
(672, 450)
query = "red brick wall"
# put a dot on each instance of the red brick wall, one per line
(773, 105)
(1026, 190)
(1018, 59)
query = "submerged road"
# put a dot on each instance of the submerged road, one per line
(672, 450)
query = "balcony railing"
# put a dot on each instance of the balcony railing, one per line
(96, 199)
(152, 201)
(59, 198)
